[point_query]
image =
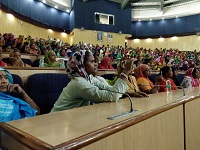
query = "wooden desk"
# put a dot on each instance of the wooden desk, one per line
(158, 125)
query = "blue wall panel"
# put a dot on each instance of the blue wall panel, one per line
(84, 16)
(182, 25)
(40, 12)
(25, 8)
(14, 5)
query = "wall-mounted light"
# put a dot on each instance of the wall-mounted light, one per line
(149, 40)
(50, 30)
(136, 40)
(174, 38)
(161, 39)
(10, 17)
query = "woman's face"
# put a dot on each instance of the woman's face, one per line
(90, 65)
(62, 53)
(7, 49)
(17, 55)
(147, 72)
(52, 57)
(3, 81)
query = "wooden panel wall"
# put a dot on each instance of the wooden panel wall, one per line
(192, 125)
(18, 27)
(161, 132)
(184, 43)
(90, 36)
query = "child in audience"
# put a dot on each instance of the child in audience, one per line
(50, 59)
(13, 108)
(84, 88)
(166, 74)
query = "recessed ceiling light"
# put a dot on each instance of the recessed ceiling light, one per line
(44, 1)
(139, 20)
(56, 7)
(150, 19)
(67, 10)
(163, 18)
(176, 16)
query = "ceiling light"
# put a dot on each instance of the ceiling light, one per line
(176, 16)
(139, 20)
(150, 19)
(163, 18)
(56, 7)
(67, 11)
(44, 1)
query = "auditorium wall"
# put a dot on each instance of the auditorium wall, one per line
(10, 24)
(183, 43)
(90, 36)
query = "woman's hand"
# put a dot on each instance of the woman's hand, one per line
(15, 88)
(143, 94)
(128, 66)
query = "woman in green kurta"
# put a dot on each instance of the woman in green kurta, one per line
(84, 88)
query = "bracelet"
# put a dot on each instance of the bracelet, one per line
(23, 93)
(124, 75)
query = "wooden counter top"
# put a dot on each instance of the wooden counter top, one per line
(79, 127)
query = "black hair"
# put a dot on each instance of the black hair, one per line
(194, 71)
(87, 55)
(164, 70)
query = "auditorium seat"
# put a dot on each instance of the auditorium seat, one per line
(27, 61)
(36, 63)
(17, 80)
(180, 77)
(152, 77)
(45, 88)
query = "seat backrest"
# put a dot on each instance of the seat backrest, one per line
(27, 61)
(45, 89)
(36, 63)
(152, 77)
(180, 78)
(17, 80)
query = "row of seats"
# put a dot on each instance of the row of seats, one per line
(35, 63)
(45, 88)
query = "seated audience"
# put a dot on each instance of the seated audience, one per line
(15, 103)
(84, 88)
(166, 74)
(50, 59)
(15, 59)
(1, 62)
(105, 63)
(133, 90)
(142, 72)
(191, 78)
(175, 76)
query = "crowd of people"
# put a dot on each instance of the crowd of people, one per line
(132, 73)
